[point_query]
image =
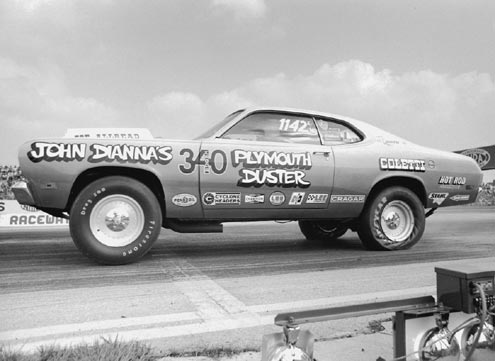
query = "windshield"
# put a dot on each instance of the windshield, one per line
(210, 132)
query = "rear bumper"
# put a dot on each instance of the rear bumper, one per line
(22, 193)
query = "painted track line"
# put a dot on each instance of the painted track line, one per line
(96, 325)
(214, 309)
(216, 318)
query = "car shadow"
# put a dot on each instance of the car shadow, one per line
(225, 246)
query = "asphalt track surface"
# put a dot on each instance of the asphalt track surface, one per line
(49, 260)
(218, 282)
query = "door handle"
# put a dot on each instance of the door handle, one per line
(326, 154)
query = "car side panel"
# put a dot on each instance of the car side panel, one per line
(356, 170)
(451, 180)
(447, 178)
(251, 174)
(52, 167)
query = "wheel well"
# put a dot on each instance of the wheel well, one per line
(93, 174)
(412, 184)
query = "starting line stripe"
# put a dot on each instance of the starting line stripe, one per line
(249, 317)
(149, 333)
(96, 325)
(215, 310)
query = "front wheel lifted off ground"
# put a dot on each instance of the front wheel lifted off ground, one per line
(115, 220)
(394, 219)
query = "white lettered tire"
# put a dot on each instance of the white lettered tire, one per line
(115, 220)
(393, 220)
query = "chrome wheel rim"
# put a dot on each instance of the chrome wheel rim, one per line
(397, 221)
(116, 220)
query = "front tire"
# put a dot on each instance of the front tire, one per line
(321, 230)
(393, 220)
(115, 220)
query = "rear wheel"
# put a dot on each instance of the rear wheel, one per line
(393, 220)
(322, 230)
(115, 220)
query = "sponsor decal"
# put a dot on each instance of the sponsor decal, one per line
(481, 156)
(317, 198)
(460, 197)
(123, 153)
(438, 198)
(184, 200)
(209, 198)
(221, 198)
(449, 180)
(296, 198)
(273, 169)
(387, 141)
(410, 165)
(347, 198)
(254, 198)
(431, 164)
(59, 152)
(277, 198)
(109, 133)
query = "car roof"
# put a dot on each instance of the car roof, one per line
(365, 127)
(298, 110)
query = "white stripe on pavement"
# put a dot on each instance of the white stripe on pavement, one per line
(149, 333)
(241, 318)
(215, 309)
(96, 325)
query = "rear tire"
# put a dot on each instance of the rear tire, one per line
(393, 220)
(115, 220)
(321, 230)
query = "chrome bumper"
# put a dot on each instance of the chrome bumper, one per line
(22, 193)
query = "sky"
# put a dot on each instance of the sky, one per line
(423, 70)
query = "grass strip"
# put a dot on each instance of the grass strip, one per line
(113, 350)
(104, 350)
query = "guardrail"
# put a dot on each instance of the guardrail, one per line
(335, 313)
(294, 344)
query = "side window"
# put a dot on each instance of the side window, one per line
(275, 127)
(334, 133)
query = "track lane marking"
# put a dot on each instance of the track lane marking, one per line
(96, 325)
(148, 333)
(238, 320)
(218, 310)
(212, 302)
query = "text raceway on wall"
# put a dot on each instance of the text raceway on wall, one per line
(12, 214)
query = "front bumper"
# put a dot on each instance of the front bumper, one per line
(22, 193)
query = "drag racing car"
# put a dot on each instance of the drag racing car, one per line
(329, 173)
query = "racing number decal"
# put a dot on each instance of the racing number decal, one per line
(190, 161)
(297, 125)
(202, 158)
(223, 162)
